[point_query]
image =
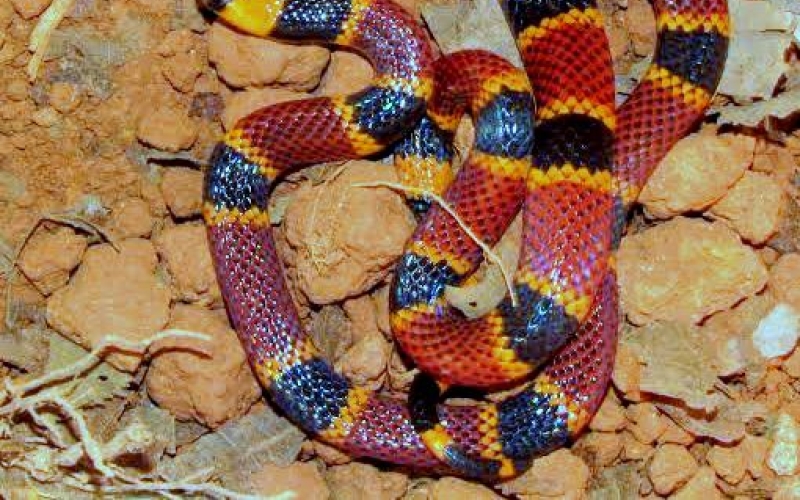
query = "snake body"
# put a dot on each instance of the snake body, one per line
(587, 165)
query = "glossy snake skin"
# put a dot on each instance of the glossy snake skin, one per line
(586, 165)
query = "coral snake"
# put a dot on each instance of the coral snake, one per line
(573, 184)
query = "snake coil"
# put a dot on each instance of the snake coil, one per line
(587, 165)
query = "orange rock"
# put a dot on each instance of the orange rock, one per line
(755, 450)
(112, 293)
(728, 462)
(332, 226)
(412, 6)
(185, 250)
(627, 372)
(601, 448)
(674, 433)
(775, 160)
(366, 361)
(50, 256)
(546, 477)
(640, 21)
(46, 117)
(28, 9)
(329, 454)
(131, 218)
(357, 480)
(240, 104)
(610, 417)
(182, 189)
(754, 207)
(784, 279)
(792, 364)
(451, 488)
(696, 173)
(362, 314)
(768, 255)
(185, 59)
(302, 478)
(633, 449)
(151, 194)
(65, 97)
(17, 89)
(246, 61)
(701, 487)
(167, 128)
(729, 333)
(684, 270)
(619, 42)
(672, 466)
(381, 299)
(347, 73)
(646, 422)
(210, 389)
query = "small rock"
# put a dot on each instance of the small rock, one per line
(209, 389)
(366, 361)
(451, 488)
(647, 424)
(728, 462)
(627, 372)
(185, 250)
(701, 487)
(131, 218)
(640, 21)
(776, 334)
(329, 454)
(776, 160)
(674, 433)
(729, 334)
(17, 89)
(355, 481)
(28, 9)
(792, 364)
(546, 477)
(331, 227)
(112, 293)
(167, 128)
(633, 449)
(697, 172)
(185, 59)
(302, 478)
(182, 189)
(347, 73)
(610, 417)
(754, 207)
(755, 450)
(601, 449)
(684, 270)
(783, 454)
(50, 256)
(784, 279)
(672, 466)
(246, 61)
(65, 97)
(45, 117)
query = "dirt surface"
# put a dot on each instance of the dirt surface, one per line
(107, 117)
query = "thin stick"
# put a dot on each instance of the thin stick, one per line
(94, 357)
